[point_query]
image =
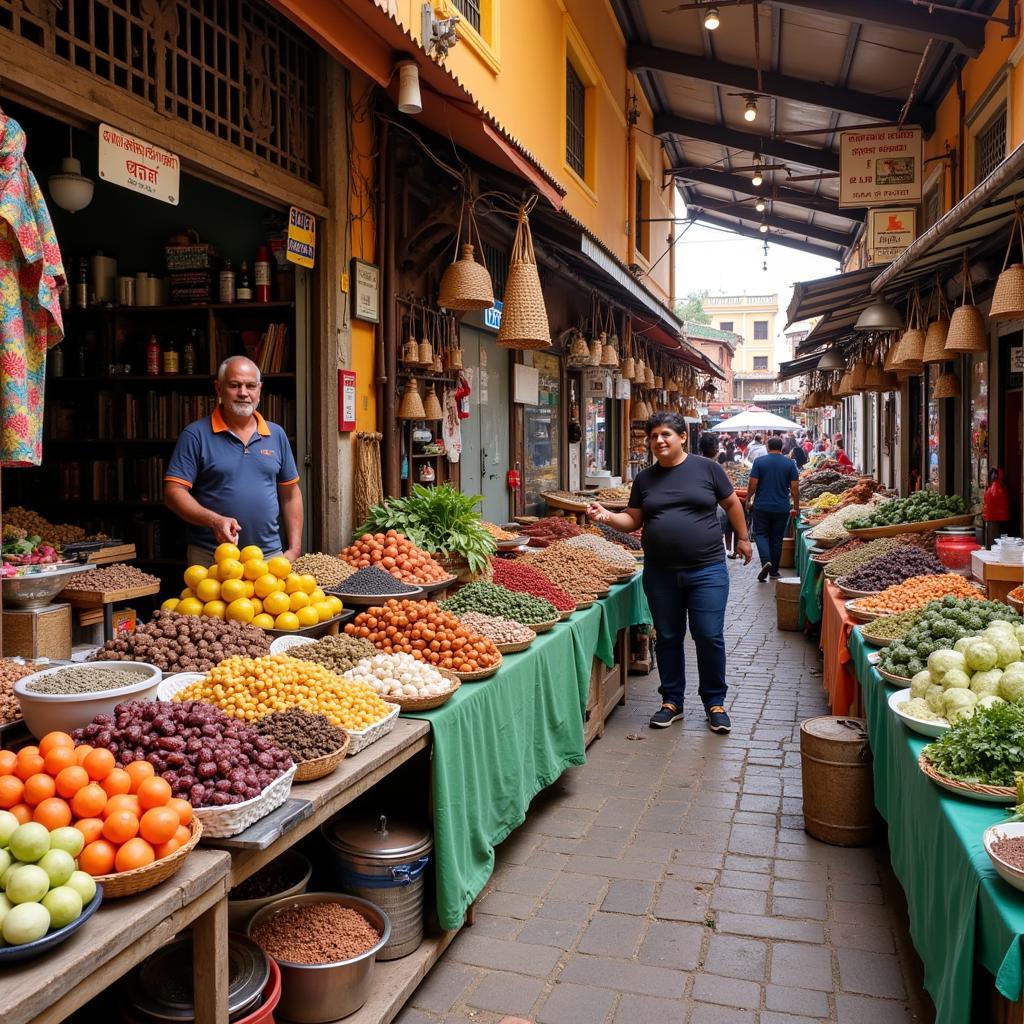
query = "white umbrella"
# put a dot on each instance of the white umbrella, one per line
(755, 419)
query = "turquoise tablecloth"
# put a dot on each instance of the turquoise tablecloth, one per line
(960, 910)
(498, 743)
(811, 579)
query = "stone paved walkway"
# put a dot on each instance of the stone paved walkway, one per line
(670, 879)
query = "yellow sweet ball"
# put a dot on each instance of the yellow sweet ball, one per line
(187, 592)
(287, 621)
(254, 568)
(230, 569)
(232, 590)
(307, 616)
(190, 606)
(215, 609)
(307, 582)
(323, 610)
(213, 572)
(207, 590)
(170, 604)
(298, 600)
(225, 551)
(194, 575)
(276, 602)
(240, 611)
(279, 566)
(292, 584)
(249, 552)
(263, 620)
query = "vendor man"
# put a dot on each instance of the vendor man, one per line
(232, 476)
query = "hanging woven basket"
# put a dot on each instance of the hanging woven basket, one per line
(947, 386)
(431, 406)
(411, 406)
(967, 332)
(846, 385)
(410, 349)
(889, 365)
(874, 378)
(910, 351)
(858, 375)
(935, 342)
(466, 283)
(524, 319)
(641, 410)
(596, 349)
(1008, 297)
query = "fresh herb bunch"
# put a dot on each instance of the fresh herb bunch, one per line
(986, 748)
(436, 519)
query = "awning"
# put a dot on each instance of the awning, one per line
(799, 367)
(977, 223)
(836, 301)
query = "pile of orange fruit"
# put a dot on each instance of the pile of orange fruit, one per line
(242, 586)
(127, 816)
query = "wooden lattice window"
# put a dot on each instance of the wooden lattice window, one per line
(496, 261)
(233, 68)
(575, 120)
(470, 11)
(990, 146)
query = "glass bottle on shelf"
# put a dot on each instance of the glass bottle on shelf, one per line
(188, 353)
(56, 357)
(153, 357)
(262, 274)
(226, 291)
(244, 292)
(171, 358)
(82, 284)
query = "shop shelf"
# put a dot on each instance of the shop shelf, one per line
(180, 307)
(173, 378)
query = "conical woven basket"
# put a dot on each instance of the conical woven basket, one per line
(431, 405)
(596, 348)
(947, 386)
(411, 406)
(641, 410)
(524, 319)
(466, 283)
(426, 352)
(845, 385)
(1008, 297)
(609, 357)
(628, 370)
(935, 341)
(910, 351)
(411, 352)
(649, 377)
(874, 379)
(858, 375)
(890, 357)
(890, 382)
(966, 332)
(453, 357)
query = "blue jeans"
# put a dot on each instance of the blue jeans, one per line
(700, 595)
(769, 530)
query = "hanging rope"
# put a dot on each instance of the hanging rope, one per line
(369, 485)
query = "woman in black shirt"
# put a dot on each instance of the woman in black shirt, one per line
(685, 577)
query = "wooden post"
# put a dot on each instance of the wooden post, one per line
(210, 964)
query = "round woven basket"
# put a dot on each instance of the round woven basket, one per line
(543, 627)
(990, 794)
(587, 602)
(466, 283)
(318, 767)
(128, 883)
(484, 673)
(515, 648)
(1015, 603)
(935, 342)
(429, 703)
(564, 616)
(947, 386)
(966, 331)
(892, 679)
(1008, 297)
(910, 351)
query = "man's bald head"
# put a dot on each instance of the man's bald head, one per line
(238, 365)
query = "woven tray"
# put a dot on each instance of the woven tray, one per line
(850, 591)
(893, 680)
(515, 648)
(222, 822)
(429, 703)
(587, 603)
(317, 767)
(871, 532)
(971, 790)
(543, 627)
(862, 616)
(484, 673)
(128, 883)
(876, 641)
(361, 740)
(564, 616)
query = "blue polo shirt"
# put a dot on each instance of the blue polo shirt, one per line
(235, 478)
(774, 473)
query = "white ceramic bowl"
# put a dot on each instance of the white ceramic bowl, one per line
(920, 725)
(170, 685)
(1006, 830)
(47, 712)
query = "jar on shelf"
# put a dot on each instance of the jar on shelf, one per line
(953, 547)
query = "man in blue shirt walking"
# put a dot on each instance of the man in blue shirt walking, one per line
(774, 482)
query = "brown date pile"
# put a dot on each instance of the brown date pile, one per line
(10, 673)
(185, 643)
(304, 735)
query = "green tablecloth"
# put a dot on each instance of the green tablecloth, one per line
(811, 579)
(960, 910)
(499, 742)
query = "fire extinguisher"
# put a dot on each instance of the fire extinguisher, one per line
(513, 479)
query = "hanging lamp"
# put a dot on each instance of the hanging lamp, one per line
(70, 189)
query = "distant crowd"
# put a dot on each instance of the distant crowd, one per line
(799, 447)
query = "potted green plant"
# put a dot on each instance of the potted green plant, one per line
(441, 520)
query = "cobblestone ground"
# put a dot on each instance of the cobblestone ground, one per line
(670, 879)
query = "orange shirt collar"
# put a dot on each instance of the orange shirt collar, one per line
(218, 424)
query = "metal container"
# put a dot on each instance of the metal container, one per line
(291, 863)
(38, 589)
(835, 759)
(315, 993)
(384, 862)
(787, 603)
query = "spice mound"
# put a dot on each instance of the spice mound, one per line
(1010, 850)
(328, 570)
(83, 679)
(305, 736)
(338, 653)
(10, 673)
(497, 532)
(372, 581)
(515, 574)
(491, 599)
(497, 629)
(552, 528)
(316, 933)
(118, 576)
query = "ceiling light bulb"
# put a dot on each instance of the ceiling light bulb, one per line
(757, 180)
(750, 109)
(763, 227)
(759, 206)
(711, 20)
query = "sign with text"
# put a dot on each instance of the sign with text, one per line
(890, 231)
(1017, 359)
(138, 165)
(301, 245)
(880, 167)
(365, 291)
(492, 316)
(346, 400)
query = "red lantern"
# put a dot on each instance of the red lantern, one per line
(513, 480)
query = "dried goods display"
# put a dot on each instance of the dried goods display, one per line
(241, 586)
(626, 540)
(426, 631)
(315, 933)
(1010, 850)
(498, 629)
(821, 480)
(118, 576)
(498, 532)
(826, 500)
(917, 592)
(400, 675)
(10, 673)
(371, 581)
(34, 525)
(577, 571)
(329, 571)
(19, 548)
(613, 494)
(304, 735)
(918, 508)
(737, 472)
(836, 525)
(515, 574)
(894, 567)
(204, 755)
(550, 529)
(608, 552)
(861, 493)
(852, 554)
(492, 599)
(83, 679)
(338, 653)
(185, 643)
(249, 688)
(892, 627)
(1017, 594)
(394, 554)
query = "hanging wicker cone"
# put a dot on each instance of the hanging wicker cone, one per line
(524, 319)
(910, 351)
(967, 331)
(649, 376)
(438, 364)
(641, 411)
(609, 357)
(890, 382)
(890, 357)
(596, 349)
(1008, 297)
(411, 406)
(426, 352)
(947, 386)
(935, 341)
(874, 378)
(454, 358)
(628, 370)
(858, 375)
(411, 349)
(431, 406)
(466, 283)
(659, 382)
(845, 389)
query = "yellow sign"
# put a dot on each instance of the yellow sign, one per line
(301, 237)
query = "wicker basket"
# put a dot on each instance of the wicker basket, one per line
(910, 351)
(564, 616)
(858, 375)
(128, 883)
(543, 627)
(587, 602)
(966, 332)
(935, 342)
(318, 767)
(947, 386)
(1008, 297)
(222, 822)
(429, 703)
(524, 319)
(515, 648)
(974, 790)
(484, 673)
(466, 283)
(361, 740)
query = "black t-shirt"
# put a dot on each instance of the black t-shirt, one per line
(680, 509)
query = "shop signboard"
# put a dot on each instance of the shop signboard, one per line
(890, 231)
(525, 384)
(301, 243)
(880, 167)
(365, 291)
(492, 315)
(346, 400)
(1017, 359)
(138, 165)
(597, 383)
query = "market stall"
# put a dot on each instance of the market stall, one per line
(837, 671)
(810, 579)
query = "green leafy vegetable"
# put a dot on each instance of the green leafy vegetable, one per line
(986, 748)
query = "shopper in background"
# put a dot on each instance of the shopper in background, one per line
(756, 450)
(839, 453)
(792, 450)
(709, 449)
(685, 578)
(232, 476)
(774, 492)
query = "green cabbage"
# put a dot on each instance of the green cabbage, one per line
(957, 699)
(920, 683)
(1011, 686)
(941, 662)
(934, 698)
(983, 683)
(981, 655)
(954, 679)
(1007, 649)
(962, 644)
(1018, 634)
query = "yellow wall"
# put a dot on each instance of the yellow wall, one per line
(517, 73)
(742, 311)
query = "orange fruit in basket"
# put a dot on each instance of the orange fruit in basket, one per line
(54, 739)
(97, 858)
(182, 808)
(166, 849)
(183, 834)
(22, 812)
(122, 802)
(58, 759)
(52, 813)
(29, 763)
(11, 791)
(91, 828)
(38, 788)
(154, 792)
(138, 772)
(71, 780)
(82, 752)
(99, 764)
(158, 825)
(89, 801)
(120, 826)
(136, 853)
(118, 781)
(8, 761)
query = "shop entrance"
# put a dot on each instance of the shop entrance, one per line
(485, 435)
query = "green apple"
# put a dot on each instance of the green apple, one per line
(84, 884)
(29, 884)
(8, 823)
(29, 842)
(68, 839)
(59, 865)
(26, 923)
(6, 876)
(6, 860)
(5, 905)
(64, 905)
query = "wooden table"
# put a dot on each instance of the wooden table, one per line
(101, 603)
(121, 934)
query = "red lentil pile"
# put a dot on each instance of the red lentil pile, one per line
(315, 933)
(515, 575)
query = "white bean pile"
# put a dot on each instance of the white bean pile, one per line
(399, 675)
(833, 527)
(497, 629)
(604, 549)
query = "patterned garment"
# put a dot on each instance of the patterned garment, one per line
(31, 280)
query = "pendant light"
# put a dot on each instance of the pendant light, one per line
(832, 360)
(70, 189)
(879, 316)
(711, 19)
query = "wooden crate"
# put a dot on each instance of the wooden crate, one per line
(38, 632)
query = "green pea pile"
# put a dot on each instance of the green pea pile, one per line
(491, 599)
(892, 627)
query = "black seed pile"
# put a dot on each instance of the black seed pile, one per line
(371, 581)
(302, 734)
(894, 567)
(627, 540)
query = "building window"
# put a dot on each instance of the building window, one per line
(990, 146)
(932, 208)
(641, 215)
(470, 11)
(760, 362)
(575, 120)
(725, 325)
(760, 330)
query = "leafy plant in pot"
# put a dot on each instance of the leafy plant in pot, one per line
(440, 520)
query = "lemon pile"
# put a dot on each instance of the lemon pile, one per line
(242, 586)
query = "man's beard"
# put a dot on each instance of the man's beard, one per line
(242, 408)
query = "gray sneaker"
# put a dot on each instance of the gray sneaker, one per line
(665, 716)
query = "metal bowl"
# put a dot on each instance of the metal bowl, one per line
(38, 589)
(315, 993)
